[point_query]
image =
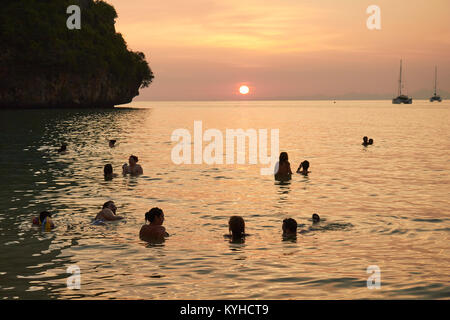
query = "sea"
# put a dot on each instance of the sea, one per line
(385, 209)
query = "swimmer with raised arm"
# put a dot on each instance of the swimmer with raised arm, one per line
(303, 168)
(284, 168)
(154, 231)
(108, 213)
(132, 168)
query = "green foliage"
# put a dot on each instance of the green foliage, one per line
(34, 37)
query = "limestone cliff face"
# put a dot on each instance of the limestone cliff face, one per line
(65, 91)
(45, 65)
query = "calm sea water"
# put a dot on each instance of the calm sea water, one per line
(386, 205)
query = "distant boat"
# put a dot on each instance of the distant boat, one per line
(401, 98)
(435, 97)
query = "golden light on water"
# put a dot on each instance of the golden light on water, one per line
(244, 90)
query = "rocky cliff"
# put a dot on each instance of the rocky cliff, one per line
(44, 64)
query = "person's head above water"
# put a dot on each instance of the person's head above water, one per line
(133, 160)
(289, 226)
(112, 143)
(44, 221)
(63, 148)
(108, 170)
(370, 141)
(305, 165)
(283, 157)
(315, 217)
(155, 216)
(43, 215)
(365, 139)
(110, 205)
(236, 226)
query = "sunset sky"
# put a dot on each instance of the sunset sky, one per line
(206, 49)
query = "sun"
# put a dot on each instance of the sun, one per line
(244, 90)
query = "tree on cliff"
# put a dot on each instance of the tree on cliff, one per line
(35, 40)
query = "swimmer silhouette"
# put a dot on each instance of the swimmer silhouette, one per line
(315, 218)
(108, 213)
(63, 148)
(44, 221)
(154, 231)
(370, 141)
(132, 168)
(236, 229)
(108, 172)
(305, 166)
(365, 142)
(289, 228)
(112, 143)
(283, 168)
(315, 226)
(320, 225)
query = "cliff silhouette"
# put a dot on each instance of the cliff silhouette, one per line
(43, 64)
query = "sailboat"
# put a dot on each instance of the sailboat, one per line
(435, 97)
(401, 98)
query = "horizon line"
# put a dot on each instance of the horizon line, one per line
(269, 99)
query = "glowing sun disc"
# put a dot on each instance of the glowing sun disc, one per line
(244, 90)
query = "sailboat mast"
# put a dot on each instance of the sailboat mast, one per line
(435, 79)
(400, 80)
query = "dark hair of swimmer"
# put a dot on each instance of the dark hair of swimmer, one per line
(290, 225)
(134, 158)
(107, 203)
(305, 165)
(152, 214)
(365, 139)
(43, 215)
(315, 217)
(108, 169)
(283, 157)
(370, 141)
(63, 148)
(112, 143)
(236, 225)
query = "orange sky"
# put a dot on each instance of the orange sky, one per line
(205, 49)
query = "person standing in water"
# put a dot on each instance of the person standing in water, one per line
(132, 168)
(370, 141)
(283, 172)
(108, 213)
(154, 231)
(305, 166)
